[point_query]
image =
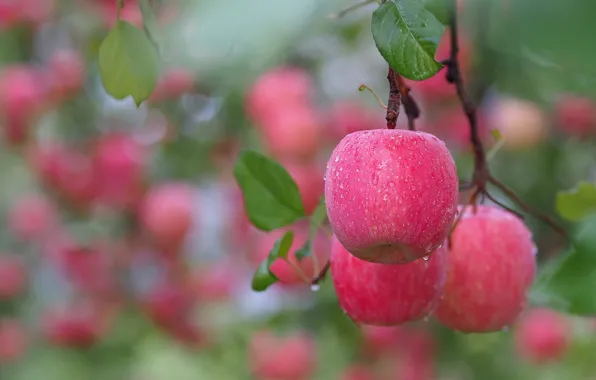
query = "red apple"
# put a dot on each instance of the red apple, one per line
(391, 195)
(32, 217)
(280, 268)
(75, 326)
(167, 213)
(13, 277)
(357, 372)
(575, 115)
(66, 73)
(88, 268)
(118, 164)
(291, 357)
(542, 335)
(387, 294)
(169, 304)
(174, 82)
(293, 131)
(277, 89)
(491, 266)
(217, 281)
(13, 341)
(522, 123)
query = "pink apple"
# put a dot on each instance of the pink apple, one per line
(575, 115)
(309, 178)
(13, 341)
(417, 357)
(542, 335)
(491, 266)
(174, 82)
(391, 195)
(291, 357)
(118, 163)
(522, 123)
(13, 277)
(357, 372)
(74, 326)
(387, 294)
(217, 281)
(169, 303)
(89, 269)
(381, 340)
(167, 213)
(66, 73)
(275, 90)
(32, 217)
(346, 117)
(293, 131)
(280, 268)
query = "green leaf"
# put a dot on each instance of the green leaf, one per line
(568, 282)
(304, 251)
(439, 8)
(576, 204)
(128, 63)
(270, 194)
(150, 23)
(263, 277)
(407, 36)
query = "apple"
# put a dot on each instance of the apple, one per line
(13, 277)
(542, 335)
(575, 115)
(66, 73)
(168, 304)
(347, 116)
(13, 341)
(173, 82)
(118, 162)
(387, 294)
(217, 281)
(89, 269)
(417, 357)
(167, 214)
(522, 124)
(391, 195)
(280, 268)
(277, 89)
(32, 217)
(293, 132)
(291, 357)
(491, 267)
(357, 372)
(310, 180)
(75, 326)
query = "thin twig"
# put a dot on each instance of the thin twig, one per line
(394, 101)
(543, 217)
(365, 87)
(322, 274)
(351, 8)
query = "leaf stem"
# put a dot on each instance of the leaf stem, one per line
(364, 87)
(298, 271)
(351, 8)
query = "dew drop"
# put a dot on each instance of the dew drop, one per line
(336, 158)
(426, 258)
(315, 287)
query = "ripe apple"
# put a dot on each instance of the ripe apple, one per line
(575, 115)
(491, 266)
(13, 341)
(277, 89)
(291, 357)
(522, 123)
(89, 269)
(74, 326)
(217, 281)
(542, 335)
(32, 217)
(293, 132)
(280, 268)
(391, 195)
(167, 214)
(174, 82)
(13, 277)
(66, 73)
(417, 357)
(381, 340)
(387, 294)
(169, 304)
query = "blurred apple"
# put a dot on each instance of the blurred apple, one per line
(66, 71)
(13, 341)
(522, 124)
(575, 115)
(32, 217)
(13, 276)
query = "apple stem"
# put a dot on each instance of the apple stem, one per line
(482, 176)
(399, 95)
(322, 274)
(298, 271)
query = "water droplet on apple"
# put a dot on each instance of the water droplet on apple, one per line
(315, 287)
(336, 158)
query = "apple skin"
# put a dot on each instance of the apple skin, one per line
(491, 266)
(575, 115)
(542, 335)
(291, 357)
(391, 195)
(387, 294)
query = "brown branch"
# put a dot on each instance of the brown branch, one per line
(394, 101)
(524, 206)
(351, 8)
